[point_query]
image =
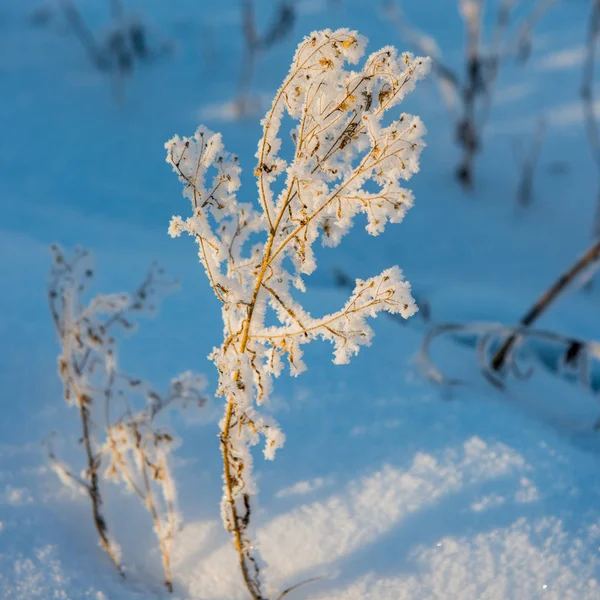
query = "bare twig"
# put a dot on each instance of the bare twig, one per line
(522, 41)
(84, 35)
(281, 25)
(298, 585)
(466, 130)
(63, 306)
(588, 99)
(62, 471)
(529, 163)
(587, 260)
(119, 48)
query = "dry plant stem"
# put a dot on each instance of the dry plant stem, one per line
(269, 254)
(343, 280)
(467, 135)
(83, 33)
(255, 42)
(493, 60)
(71, 371)
(521, 44)
(289, 590)
(149, 499)
(93, 489)
(87, 367)
(588, 98)
(590, 257)
(480, 77)
(237, 522)
(244, 557)
(249, 58)
(529, 166)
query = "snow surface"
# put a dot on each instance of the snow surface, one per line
(387, 487)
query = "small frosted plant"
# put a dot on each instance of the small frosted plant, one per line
(131, 447)
(138, 450)
(86, 335)
(344, 162)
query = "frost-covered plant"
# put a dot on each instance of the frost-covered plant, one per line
(138, 450)
(345, 161)
(94, 384)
